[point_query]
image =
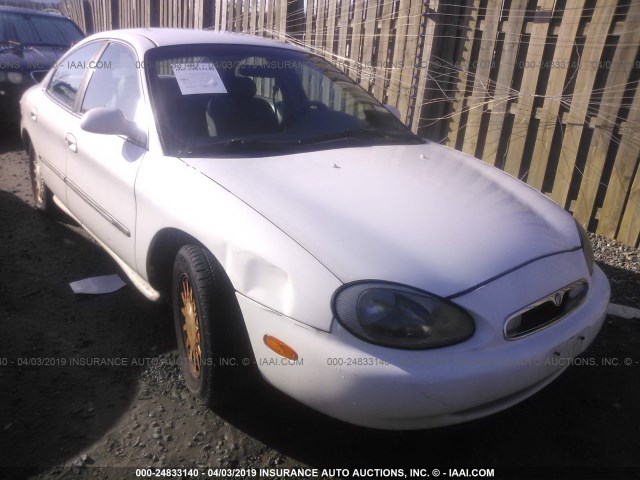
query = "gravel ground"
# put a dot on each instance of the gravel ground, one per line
(86, 421)
(621, 263)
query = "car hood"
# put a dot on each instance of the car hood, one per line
(30, 58)
(423, 215)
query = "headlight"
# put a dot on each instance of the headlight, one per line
(401, 317)
(587, 248)
(15, 77)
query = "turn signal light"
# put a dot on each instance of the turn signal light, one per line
(280, 347)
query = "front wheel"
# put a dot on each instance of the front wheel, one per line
(212, 339)
(41, 194)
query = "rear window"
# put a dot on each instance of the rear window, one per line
(35, 29)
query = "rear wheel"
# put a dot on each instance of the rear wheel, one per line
(212, 340)
(41, 194)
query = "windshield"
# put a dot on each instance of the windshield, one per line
(34, 29)
(213, 100)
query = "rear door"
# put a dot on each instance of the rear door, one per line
(50, 116)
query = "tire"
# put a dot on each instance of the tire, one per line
(212, 340)
(42, 196)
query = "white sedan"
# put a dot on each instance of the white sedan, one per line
(298, 227)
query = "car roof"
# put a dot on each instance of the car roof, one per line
(182, 36)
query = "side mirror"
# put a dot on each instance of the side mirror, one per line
(111, 121)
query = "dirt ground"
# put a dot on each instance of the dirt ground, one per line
(59, 420)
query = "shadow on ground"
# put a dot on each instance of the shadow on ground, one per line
(64, 381)
(9, 138)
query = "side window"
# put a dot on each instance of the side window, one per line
(115, 83)
(67, 78)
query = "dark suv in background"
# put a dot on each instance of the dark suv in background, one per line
(31, 41)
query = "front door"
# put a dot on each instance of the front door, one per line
(102, 169)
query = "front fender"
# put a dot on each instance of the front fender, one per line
(262, 262)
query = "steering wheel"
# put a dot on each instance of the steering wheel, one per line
(296, 114)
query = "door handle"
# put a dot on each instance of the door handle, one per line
(34, 114)
(71, 142)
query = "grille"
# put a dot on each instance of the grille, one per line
(546, 311)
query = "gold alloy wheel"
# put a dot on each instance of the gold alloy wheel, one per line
(190, 327)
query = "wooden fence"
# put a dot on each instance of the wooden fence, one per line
(544, 89)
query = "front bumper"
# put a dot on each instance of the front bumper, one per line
(380, 387)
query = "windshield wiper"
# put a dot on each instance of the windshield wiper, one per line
(360, 134)
(236, 144)
(11, 45)
(46, 44)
